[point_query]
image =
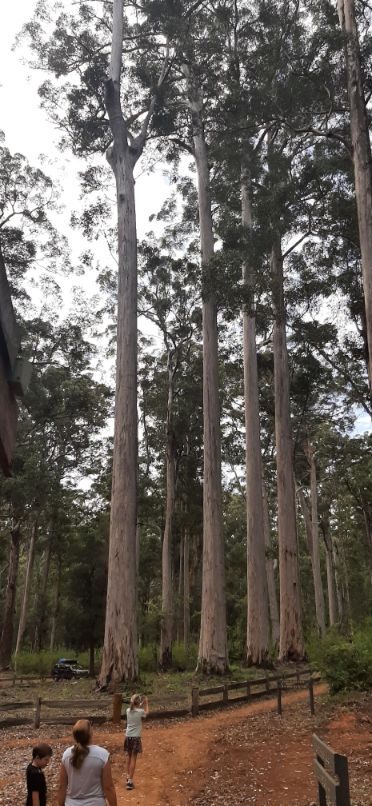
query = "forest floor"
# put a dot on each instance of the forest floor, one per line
(240, 755)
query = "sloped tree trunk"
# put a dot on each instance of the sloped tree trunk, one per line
(55, 606)
(6, 641)
(213, 639)
(270, 574)
(257, 601)
(361, 155)
(27, 586)
(166, 637)
(291, 636)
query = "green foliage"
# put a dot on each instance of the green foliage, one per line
(184, 658)
(346, 663)
(41, 663)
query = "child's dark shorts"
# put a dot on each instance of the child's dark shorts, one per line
(132, 745)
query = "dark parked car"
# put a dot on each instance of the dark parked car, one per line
(68, 669)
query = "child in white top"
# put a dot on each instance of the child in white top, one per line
(136, 712)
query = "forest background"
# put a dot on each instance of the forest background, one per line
(275, 122)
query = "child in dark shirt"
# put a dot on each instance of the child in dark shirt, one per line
(36, 784)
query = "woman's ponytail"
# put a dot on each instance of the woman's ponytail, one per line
(82, 734)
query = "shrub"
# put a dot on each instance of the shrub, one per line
(184, 659)
(148, 658)
(346, 663)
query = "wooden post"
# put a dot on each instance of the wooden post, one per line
(117, 702)
(225, 694)
(37, 712)
(342, 771)
(279, 690)
(297, 675)
(311, 696)
(194, 701)
(248, 690)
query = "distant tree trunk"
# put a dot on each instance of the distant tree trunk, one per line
(38, 639)
(27, 586)
(9, 603)
(180, 589)
(318, 586)
(166, 636)
(186, 587)
(55, 606)
(91, 658)
(212, 656)
(291, 637)
(270, 574)
(341, 587)
(332, 602)
(361, 155)
(257, 648)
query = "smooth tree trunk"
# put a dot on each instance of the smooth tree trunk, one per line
(318, 585)
(55, 606)
(332, 601)
(6, 642)
(27, 587)
(120, 650)
(270, 573)
(186, 587)
(361, 155)
(212, 656)
(291, 645)
(166, 636)
(39, 633)
(258, 632)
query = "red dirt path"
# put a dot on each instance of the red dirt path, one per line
(241, 755)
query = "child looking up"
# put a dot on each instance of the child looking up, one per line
(36, 784)
(136, 712)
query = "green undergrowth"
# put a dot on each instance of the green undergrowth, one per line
(344, 661)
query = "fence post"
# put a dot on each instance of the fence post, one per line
(267, 682)
(194, 701)
(117, 702)
(342, 771)
(37, 712)
(225, 694)
(311, 696)
(248, 690)
(279, 697)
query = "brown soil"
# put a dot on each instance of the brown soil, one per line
(242, 755)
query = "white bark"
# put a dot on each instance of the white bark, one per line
(257, 599)
(361, 155)
(55, 608)
(213, 639)
(166, 637)
(332, 602)
(291, 636)
(27, 586)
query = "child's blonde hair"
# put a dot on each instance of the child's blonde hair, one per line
(135, 701)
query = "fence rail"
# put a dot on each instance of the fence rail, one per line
(112, 707)
(333, 783)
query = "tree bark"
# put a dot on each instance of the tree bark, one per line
(120, 652)
(186, 587)
(38, 639)
(27, 586)
(270, 574)
(291, 636)
(166, 637)
(361, 155)
(55, 608)
(257, 648)
(318, 586)
(332, 602)
(9, 603)
(212, 657)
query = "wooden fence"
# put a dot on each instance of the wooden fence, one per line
(333, 783)
(44, 711)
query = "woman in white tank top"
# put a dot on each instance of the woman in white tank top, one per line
(85, 776)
